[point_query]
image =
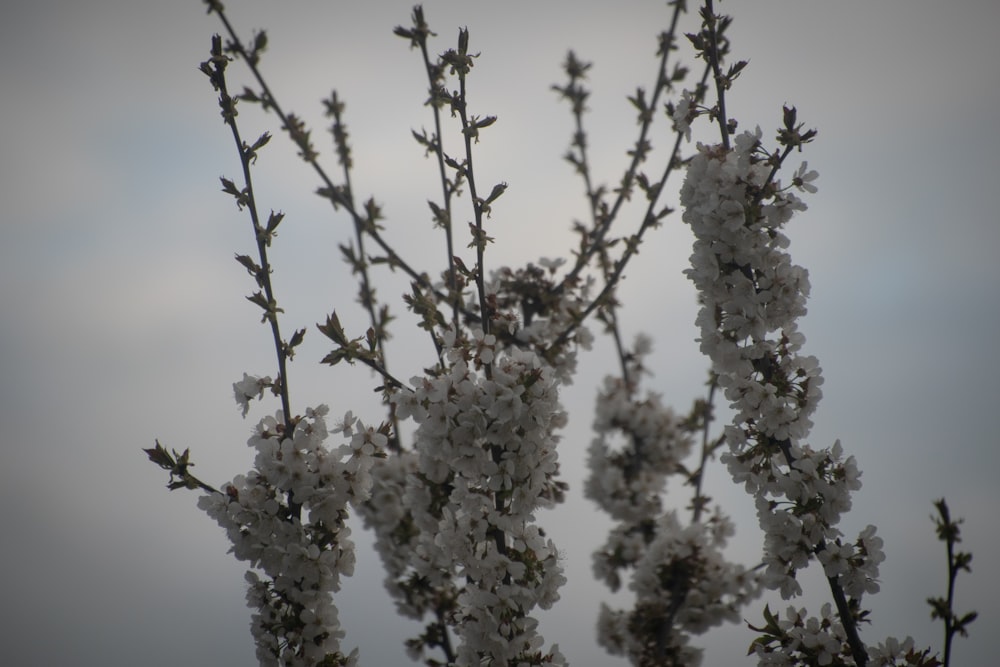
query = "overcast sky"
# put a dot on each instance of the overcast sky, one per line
(124, 318)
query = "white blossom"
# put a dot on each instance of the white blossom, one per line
(685, 112)
(484, 463)
(248, 388)
(804, 177)
(752, 296)
(286, 519)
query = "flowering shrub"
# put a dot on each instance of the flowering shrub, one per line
(453, 513)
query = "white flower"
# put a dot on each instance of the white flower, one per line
(551, 265)
(752, 296)
(684, 112)
(247, 388)
(346, 425)
(295, 622)
(477, 439)
(890, 651)
(803, 179)
(836, 559)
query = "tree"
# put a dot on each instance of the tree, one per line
(451, 480)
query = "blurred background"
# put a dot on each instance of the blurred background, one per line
(123, 317)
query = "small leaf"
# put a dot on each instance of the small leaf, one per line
(441, 217)
(486, 122)
(789, 117)
(696, 41)
(333, 329)
(336, 356)
(273, 221)
(260, 41)
(769, 617)
(259, 299)
(242, 198)
(639, 101)
(262, 141)
(421, 138)
(252, 268)
(160, 456)
(249, 95)
(229, 187)
(297, 338)
(498, 190)
(964, 621)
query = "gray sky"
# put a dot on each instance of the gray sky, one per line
(124, 318)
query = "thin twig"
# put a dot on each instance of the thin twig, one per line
(261, 235)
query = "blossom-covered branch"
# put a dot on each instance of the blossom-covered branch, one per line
(752, 296)
(455, 515)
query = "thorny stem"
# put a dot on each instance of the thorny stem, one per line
(179, 466)
(949, 630)
(706, 449)
(601, 223)
(390, 379)
(227, 104)
(263, 238)
(445, 643)
(611, 282)
(338, 197)
(650, 218)
(679, 587)
(711, 22)
(578, 95)
(639, 154)
(582, 162)
(367, 293)
(948, 532)
(468, 132)
(421, 31)
(330, 190)
(847, 618)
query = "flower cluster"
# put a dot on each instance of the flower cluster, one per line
(751, 296)
(627, 481)
(531, 306)
(249, 388)
(683, 586)
(454, 516)
(486, 462)
(684, 113)
(800, 639)
(387, 515)
(894, 653)
(421, 585)
(682, 583)
(287, 518)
